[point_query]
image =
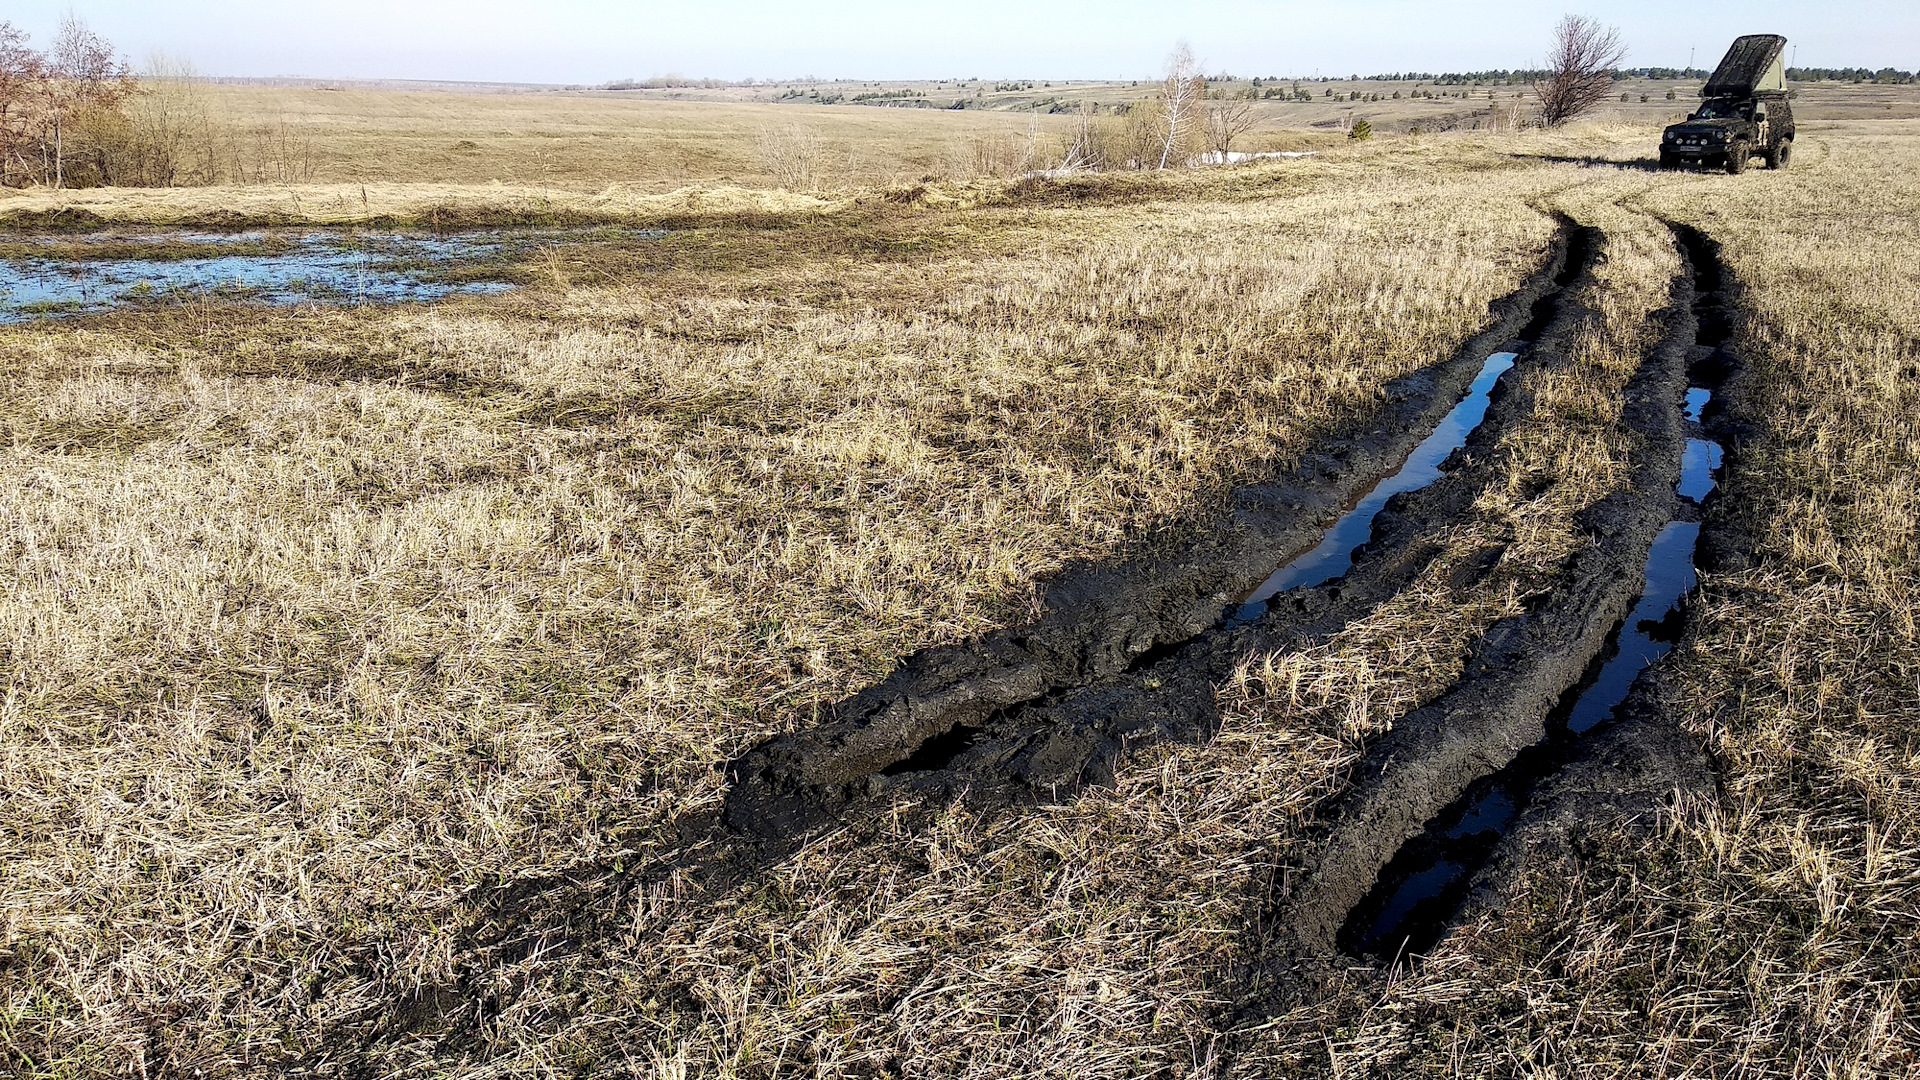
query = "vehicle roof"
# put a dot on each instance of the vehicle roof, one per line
(1751, 66)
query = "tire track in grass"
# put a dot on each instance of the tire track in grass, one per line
(968, 716)
(1556, 725)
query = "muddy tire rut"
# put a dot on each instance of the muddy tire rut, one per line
(1504, 772)
(1642, 763)
(1126, 655)
(1133, 655)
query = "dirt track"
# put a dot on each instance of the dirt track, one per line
(1131, 656)
(1124, 653)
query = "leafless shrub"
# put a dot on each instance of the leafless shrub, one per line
(1128, 139)
(1083, 146)
(1003, 155)
(170, 135)
(75, 116)
(1580, 69)
(1227, 120)
(277, 152)
(48, 100)
(791, 155)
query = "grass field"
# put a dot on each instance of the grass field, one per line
(368, 671)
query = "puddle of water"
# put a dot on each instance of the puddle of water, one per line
(1419, 890)
(1334, 555)
(1703, 457)
(324, 268)
(1670, 576)
(1697, 466)
(1492, 812)
(1408, 907)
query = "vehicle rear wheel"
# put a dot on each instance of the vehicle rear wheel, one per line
(1781, 157)
(1737, 159)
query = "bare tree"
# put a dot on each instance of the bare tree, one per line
(21, 70)
(1227, 120)
(1180, 99)
(81, 74)
(1580, 69)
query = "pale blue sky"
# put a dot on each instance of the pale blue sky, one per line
(590, 41)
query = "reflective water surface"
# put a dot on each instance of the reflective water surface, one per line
(46, 277)
(1334, 555)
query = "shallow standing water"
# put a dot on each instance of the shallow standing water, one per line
(1423, 885)
(1333, 557)
(51, 277)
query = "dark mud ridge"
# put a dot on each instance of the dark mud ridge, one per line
(1127, 655)
(1559, 723)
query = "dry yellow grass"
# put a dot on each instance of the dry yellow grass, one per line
(303, 651)
(582, 143)
(1773, 933)
(324, 628)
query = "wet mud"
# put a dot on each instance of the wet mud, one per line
(1639, 763)
(1333, 557)
(1609, 751)
(1126, 655)
(1463, 798)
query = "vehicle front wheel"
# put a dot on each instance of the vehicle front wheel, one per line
(1667, 161)
(1737, 159)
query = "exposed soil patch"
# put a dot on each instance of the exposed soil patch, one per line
(1109, 631)
(1608, 752)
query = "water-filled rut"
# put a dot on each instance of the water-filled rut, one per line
(1602, 752)
(1035, 711)
(1422, 887)
(1333, 556)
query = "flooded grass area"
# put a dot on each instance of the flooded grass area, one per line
(51, 276)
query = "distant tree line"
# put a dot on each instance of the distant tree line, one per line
(1887, 75)
(672, 82)
(1524, 76)
(1528, 76)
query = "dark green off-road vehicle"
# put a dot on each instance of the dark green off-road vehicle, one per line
(1744, 113)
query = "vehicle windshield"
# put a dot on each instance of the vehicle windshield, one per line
(1720, 109)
